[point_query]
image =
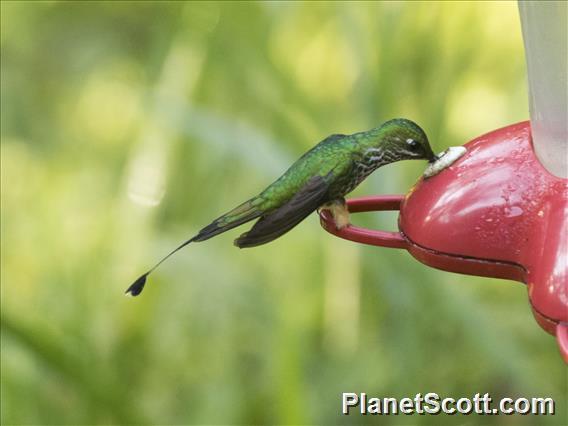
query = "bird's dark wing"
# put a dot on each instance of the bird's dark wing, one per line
(276, 223)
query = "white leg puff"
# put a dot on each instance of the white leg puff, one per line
(339, 211)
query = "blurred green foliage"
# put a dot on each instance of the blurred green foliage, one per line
(128, 126)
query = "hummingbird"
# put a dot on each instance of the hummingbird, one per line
(319, 179)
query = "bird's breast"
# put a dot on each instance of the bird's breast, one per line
(358, 173)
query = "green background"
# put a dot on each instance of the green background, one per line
(126, 127)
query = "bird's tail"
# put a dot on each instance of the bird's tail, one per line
(247, 211)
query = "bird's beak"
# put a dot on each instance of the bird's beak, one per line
(433, 159)
(431, 156)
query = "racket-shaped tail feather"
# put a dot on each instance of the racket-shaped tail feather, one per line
(244, 213)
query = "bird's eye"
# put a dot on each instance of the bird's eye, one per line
(413, 144)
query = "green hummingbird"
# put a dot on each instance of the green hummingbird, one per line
(319, 179)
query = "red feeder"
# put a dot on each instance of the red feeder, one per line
(495, 212)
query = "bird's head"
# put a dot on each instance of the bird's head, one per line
(407, 140)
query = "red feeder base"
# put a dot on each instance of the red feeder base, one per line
(495, 212)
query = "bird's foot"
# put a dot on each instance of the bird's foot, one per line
(339, 212)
